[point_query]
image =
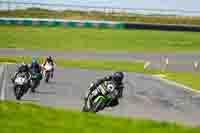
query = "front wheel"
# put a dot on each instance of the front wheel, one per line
(18, 97)
(84, 109)
(18, 91)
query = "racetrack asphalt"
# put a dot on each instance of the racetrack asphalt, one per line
(177, 61)
(144, 96)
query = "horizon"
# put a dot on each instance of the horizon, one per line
(179, 7)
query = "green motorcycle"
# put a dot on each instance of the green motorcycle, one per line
(35, 80)
(99, 102)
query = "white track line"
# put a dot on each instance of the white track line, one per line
(159, 77)
(1, 73)
(3, 83)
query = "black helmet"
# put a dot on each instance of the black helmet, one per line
(49, 57)
(118, 76)
(23, 67)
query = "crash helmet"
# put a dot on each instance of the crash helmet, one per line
(118, 77)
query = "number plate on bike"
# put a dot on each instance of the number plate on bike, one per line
(20, 80)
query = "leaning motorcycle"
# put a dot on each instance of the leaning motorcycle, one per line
(101, 101)
(21, 86)
(35, 80)
(47, 71)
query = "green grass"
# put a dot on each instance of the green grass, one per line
(42, 13)
(189, 79)
(88, 64)
(97, 40)
(29, 118)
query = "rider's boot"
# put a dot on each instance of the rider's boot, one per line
(52, 73)
(33, 90)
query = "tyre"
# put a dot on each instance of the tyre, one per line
(84, 109)
(18, 97)
(18, 92)
(34, 85)
(85, 106)
(47, 76)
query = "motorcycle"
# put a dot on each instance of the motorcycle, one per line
(21, 86)
(47, 71)
(100, 101)
(35, 80)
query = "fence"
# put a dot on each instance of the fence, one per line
(61, 22)
(95, 24)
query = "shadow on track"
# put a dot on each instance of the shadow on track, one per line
(45, 92)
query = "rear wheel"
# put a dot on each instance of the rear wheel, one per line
(47, 76)
(34, 85)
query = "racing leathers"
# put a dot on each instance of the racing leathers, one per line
(94, 90)
(50, 61)
(35, 67)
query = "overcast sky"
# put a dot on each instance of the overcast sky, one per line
(172, 7)
(160, 4)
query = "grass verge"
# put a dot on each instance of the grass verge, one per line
(31, 118)
(97, 40)
(189, 79)
(87, 64)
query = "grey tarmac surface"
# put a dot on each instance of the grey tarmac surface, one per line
(144, 96)
(177, 61)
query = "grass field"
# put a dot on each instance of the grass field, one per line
(42, 13)
(189, 79)
(75, 39)
(28, 118)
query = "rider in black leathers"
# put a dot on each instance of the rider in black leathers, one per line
(35, 67)
(117, 78)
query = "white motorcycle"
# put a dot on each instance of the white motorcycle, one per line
(21, 86)
(48, 71)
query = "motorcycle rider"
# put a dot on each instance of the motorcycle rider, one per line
(24, 69)
(35, 67)
(50, 61)
(116, 78)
